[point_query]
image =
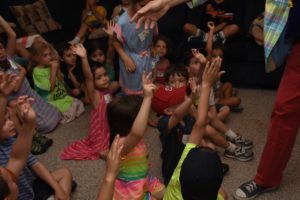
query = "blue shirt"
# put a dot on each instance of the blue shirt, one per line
(25, 180)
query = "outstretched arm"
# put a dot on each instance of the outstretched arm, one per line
(89, 77)
(153, 11)
(112, 169)
(209, 43)
(23, 117)
(210, 75)
(11, 37)
(140, 123)
(7, 85)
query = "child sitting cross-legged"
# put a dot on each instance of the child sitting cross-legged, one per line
(48, 82)
(35, 180)
(97, 86)
(176, 123)
(198, 174)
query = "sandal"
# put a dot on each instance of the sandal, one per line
(37, 149)
(42, 140)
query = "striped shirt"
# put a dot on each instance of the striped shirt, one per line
(276, 17)
(25, 180)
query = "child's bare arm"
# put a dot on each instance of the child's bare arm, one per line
(43, 173)
(22, 51)
(140, 123)
(128, 62)
(89, 77)
(210, 75)
(112, 169)
(209, 43)
(53, 74)
(23, 117)
(11, 36)
(21, 75)
(183, 109)
(220, 27)
(73, 79)
(109, 30)
(7, 85)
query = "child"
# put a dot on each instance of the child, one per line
(220, 12)
(161, 48)
(128, 116)
(97, 83)
(133, 46)
(13, 161)
(224, 93)
(93, 17)
(198, 174)
(195, 61)
(48, 83)
(119, 9)
(47, 116)
(176, 123)
(72, 71)
(57, 182)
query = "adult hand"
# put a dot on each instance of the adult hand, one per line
(151, 13)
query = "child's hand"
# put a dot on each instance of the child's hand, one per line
(79, 50)
(109, 29)
(113, 159)
(212, 72)
(195, 88)
(23, 115)
(200, 57)
(7, 83)
(129, 65)
(54, 65)
(148, 85)
(211, 25)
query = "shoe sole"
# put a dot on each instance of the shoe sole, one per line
(239, 159)
(265, 191)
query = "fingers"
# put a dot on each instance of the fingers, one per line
(114, 146)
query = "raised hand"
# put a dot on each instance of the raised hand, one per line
(212, 72)
(113, 159)
(211, 25)
(23, 115)
(79, 50)
(200, 57)
(148, 85)
(7, 83)
(195, 88)
(109, 29)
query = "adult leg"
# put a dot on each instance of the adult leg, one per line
(282, 132)
(283, 126)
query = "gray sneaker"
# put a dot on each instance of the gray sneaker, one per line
(240, 154)
(240, 141)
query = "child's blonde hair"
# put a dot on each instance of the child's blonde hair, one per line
(37, 49)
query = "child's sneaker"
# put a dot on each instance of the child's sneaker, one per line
(240, 141)
(42, 140)
(37, 148)
(250, 190)
(240, 153)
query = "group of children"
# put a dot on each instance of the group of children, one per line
(190, 104)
